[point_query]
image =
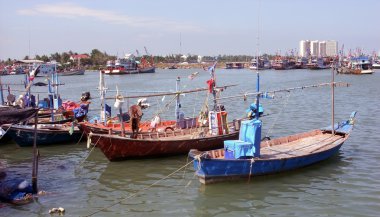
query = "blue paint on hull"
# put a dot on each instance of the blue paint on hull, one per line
(222, 169)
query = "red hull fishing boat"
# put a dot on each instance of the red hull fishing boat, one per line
(116, 147)
(166, 140)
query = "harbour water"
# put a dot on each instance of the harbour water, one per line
(85, 183)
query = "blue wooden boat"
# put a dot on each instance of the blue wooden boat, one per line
(249, 156)
(47, 134)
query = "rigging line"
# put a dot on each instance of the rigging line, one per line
(278, 115)
(340, 84)
(143, 189)
(174, 93)
(88, 155)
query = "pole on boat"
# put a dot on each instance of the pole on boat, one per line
(214, 86)
(119, 104)
(333, 101)
(257, 63)
(178, 102)
(102, 98)
(35, 156)
(1, 92)
(121, 121)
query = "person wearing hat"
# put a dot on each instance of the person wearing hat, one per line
(135, 112)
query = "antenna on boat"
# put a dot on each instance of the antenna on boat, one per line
(257, 63)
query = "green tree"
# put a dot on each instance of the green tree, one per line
(45, 58)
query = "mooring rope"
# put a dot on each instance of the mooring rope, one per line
(10, 126)
(93, 147)
(80, 138)
(145, 188)
(250, 169)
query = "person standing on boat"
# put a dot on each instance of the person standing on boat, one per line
(135, 112)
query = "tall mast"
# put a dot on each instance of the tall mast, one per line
(257, 63)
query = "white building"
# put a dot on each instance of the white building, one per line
(314, 48)
(304, 48)
(331, 48)
(322, 49)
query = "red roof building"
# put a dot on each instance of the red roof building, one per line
(79, 56)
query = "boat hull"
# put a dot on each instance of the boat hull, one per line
(213, 171)
(72, 72)
(24, 136)
(147, 70)
(117, 148)
(121, 72)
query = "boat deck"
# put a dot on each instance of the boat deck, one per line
(292, 146)
(299, 147)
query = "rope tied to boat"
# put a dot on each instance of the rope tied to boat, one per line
(250, 169)
(88, 146)
(142, 190)
(5, 132)
(198, 158)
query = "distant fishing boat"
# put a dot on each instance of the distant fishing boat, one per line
(357, 65)
(283, 64)
(73, 71)
(259, 64)
(317, 63)
(376, 64)
(78, 70)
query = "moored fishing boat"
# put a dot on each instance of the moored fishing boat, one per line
(317, 63)
(47, 134)
(250, 156)
(73, 71)
(253, 157)
(357, 65)
(158, 144)
(206, 132)
(126, 65)
(376, 64)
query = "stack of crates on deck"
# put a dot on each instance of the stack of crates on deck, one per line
(248, 144)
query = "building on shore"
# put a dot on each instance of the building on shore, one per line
(331, 48)
(304, 50)
(322, 49)
(317, 48)
(314, 48)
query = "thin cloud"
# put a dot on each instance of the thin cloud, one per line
(73, 11)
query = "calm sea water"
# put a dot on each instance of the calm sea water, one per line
(84, 181)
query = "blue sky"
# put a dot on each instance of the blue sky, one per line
(206, 27)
